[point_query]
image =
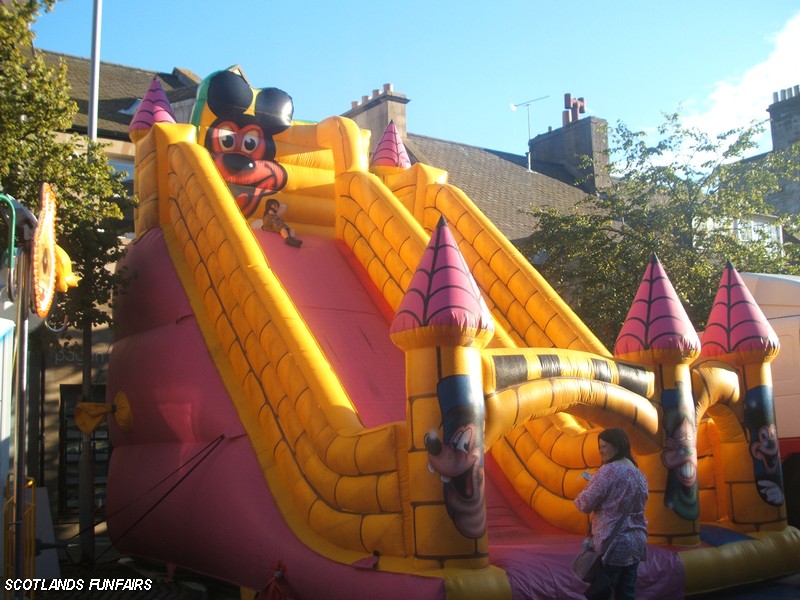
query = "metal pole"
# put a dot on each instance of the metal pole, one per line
(527, 105)
(86, 500)
(20, 416)
(94, 82)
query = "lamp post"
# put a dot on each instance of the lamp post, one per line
(94, 83)
(527, 105)
(86, 491)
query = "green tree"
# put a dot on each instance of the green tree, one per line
(687, 198)
(34, 104)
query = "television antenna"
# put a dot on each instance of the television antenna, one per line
(527, 105)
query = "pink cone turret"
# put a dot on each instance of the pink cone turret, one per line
(657, 321)
(658, 333)
(442, 323)
(390, 151)
(155, 108)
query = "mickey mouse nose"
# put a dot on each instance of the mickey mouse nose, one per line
(237, 163)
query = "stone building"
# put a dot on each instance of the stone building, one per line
(784, 122)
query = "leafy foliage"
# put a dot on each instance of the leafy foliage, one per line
(688, 198)
(34, 104)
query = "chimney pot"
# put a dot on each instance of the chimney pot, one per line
(387, 87)
(376, 93)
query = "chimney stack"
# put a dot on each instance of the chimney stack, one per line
(377, 111)
(784, 117)
(575, 107)
(567, 145)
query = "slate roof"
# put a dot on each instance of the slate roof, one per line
(480, 171)
(120, 87)
(498, 182)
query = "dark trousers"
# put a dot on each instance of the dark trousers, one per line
(614, 582)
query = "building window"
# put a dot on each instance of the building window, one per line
(70, 447)
(758, 229)
(121, 164)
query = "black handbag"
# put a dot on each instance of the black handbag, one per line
(586, 564)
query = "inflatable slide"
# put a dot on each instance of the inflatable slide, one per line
(338, 368)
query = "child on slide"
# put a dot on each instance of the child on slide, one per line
(273, 221)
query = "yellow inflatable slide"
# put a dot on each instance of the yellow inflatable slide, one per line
(339, 369)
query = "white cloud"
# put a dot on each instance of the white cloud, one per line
(741, 99)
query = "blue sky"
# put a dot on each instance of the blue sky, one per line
(463, 63)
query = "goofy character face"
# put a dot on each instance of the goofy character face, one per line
(240, 138)
(762, 432)
(679, 455)
(458, 459)
(765, 447)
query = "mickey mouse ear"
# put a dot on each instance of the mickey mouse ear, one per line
(229, 93)
(274, 109)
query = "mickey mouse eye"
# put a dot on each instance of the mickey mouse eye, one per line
(251, 141)
(226, 138)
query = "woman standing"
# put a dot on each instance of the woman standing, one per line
(617, 493)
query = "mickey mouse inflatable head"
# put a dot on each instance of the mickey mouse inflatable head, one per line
(237, 123)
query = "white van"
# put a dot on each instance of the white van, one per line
(779, 299)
